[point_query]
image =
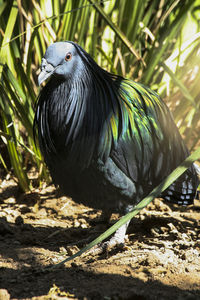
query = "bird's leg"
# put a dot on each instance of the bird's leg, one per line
(118, 239)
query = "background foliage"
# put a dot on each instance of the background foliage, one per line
(154, 42)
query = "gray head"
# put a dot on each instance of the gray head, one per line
(61, 59)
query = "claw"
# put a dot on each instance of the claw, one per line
(117, 240)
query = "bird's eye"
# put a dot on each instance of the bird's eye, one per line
(68, 56)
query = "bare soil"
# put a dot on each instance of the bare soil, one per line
(161, 259)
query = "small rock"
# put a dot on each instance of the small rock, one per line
(42, 213)
(158, 270)
(76, 223)
(4, 295)
(84, 226)
(185, 237)
(10, 200)
(71, 250)
(63, 250)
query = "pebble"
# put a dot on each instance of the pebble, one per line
(76, 223)
(10, 200)
(71, 250)
(4, 295)
(172, 228)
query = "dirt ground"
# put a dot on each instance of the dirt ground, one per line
(161, 259)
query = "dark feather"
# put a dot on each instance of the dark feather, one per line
(107, 139)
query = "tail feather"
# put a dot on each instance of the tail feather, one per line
(197, 169)
(184, 190)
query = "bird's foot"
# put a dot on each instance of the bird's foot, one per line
(117, 240)
(107, 246)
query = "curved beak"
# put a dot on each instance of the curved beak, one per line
(46, 71)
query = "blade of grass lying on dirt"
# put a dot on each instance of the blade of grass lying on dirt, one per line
(143, 203)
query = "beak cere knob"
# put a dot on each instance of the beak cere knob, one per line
(46, 71)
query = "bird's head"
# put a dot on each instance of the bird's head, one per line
(61, 59)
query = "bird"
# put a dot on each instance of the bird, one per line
(107, 141)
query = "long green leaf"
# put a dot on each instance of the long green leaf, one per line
(181, 86)
(13, 151)
(157, 52)
(118, 32)
(4, 50)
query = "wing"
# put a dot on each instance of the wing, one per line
(150, 145)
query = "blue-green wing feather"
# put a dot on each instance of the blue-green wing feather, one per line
(149, 146)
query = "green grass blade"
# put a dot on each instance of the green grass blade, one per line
(22, 109)
(157, 52)
(5, 55)
(30, 52)
(2, 7)
(118, 31)
(181, 86)
(15, 158)
(65, 26)
(3, 164)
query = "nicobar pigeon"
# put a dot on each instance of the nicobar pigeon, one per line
(107, 140)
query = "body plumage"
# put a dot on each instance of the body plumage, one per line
(108, 141)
